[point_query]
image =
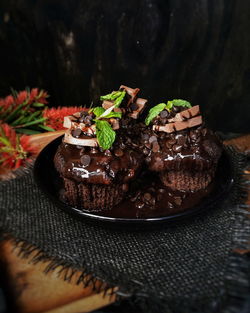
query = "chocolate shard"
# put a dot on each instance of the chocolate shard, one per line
(115, 123)
(130, 91)
(68, 138)
(186, 114)
(141, 103)
(195, 121)
(107, 104)
(172, 127)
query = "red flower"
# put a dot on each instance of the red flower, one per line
(38, 96)
(21, 97)
(14, 150)
(55, 116)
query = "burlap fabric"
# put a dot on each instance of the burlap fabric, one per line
(183, 267)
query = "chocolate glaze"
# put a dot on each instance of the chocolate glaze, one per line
(194, 149)
(116, 165)
(153, 200)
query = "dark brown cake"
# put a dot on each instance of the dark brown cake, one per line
(96, 179)
(183, 153)
(94, 159)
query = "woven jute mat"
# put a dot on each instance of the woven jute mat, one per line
(189, 266)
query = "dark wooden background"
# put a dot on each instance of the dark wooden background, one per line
(77, 49)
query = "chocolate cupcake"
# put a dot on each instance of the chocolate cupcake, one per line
(94, 163)
(179, 146)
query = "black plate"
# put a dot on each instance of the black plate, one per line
(50, 183)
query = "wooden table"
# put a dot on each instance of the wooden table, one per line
(36, 292)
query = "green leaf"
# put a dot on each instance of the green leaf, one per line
(98, 111)
(116, 96)
(154, 111)
(27, 131)
(106, 97)
(38, 104)
(105, 134)
(179, 102)
(15, 113)
(47, 128)
(33, 115)
(21, 119)
(38, 121)
(114, 114)
(119, 99)
(5, 141)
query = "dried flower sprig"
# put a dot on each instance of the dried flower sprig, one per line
(14, 149)
(54, 117)
(23, 111)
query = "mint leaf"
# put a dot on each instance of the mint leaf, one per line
(114, 114)
(116, 96)
(98, 111)
(154, 111)
(105, 134)
(119, 99)
(179, 102)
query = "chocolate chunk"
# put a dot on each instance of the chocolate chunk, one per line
(176, 109)
(82, 151)
(81, 120)
(93, 150)
(177, 148)
(170, 142)
(204, 131)
(76, 132)
(145, 137)
(139, 205)
(85, 160)
(134, 106)
(159, 197)
(125, 187)
(147, 196)
(161, 190)
(163, 121)
(170, 205)
(122, 145)
(83, 113)
(198, 139)
(148, 145)
(119, 152)
(108, 152)
(181, 140)
(193, 136)
(164, 114)
(155, 147)
(88, 120)
(152, 139)
(145, 151)
(134, 198)
(152, 201)
(177, 200)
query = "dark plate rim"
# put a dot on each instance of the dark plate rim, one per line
(97, 217)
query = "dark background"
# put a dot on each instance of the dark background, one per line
(192, 49)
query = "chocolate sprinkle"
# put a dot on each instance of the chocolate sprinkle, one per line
(119, 152)
(147, 196)
(155, 147)
(85, 160)
(76, 132)
(152, 139)
(164, 114)
(134, 107)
